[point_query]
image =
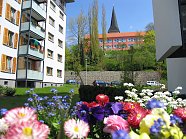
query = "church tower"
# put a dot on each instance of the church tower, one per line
(113, 25)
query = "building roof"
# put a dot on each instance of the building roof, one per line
(122, 34)
(119, 35)
(113, 25)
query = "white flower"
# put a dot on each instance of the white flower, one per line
(149, 94)
(3, 126)
(179, 88)
(167, 93)
(134, 90)
(162, 86)
(142, 94)
(130, 85)
(118, 97)
(76, 129)
(176, 92)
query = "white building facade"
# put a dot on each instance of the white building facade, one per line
(170, 28)
(32, 41)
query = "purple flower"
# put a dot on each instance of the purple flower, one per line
(120, 134)
(153, 103)
(3, 111)
(116, 107)
(91, 115)
(71, 91)
(155, 129)
(30, 99)
(27, 92)
(175, 119)
(26, 104)
(53, 90)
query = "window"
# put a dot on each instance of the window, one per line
(12, 15)
(49, 71)
(1, 7)
(61, 15)
(60, 43)
(5, 82)
(8, 64)
(0, 29)
(50, 37)
(59, 73)
(51, 21)
(131, 39)
(59, 58)
(10, 36)
(109, 41)
(50, 54)
(60, 29)
(52, 6)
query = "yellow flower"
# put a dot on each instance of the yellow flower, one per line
(146, 123)
(144, 136)
(162, 114)
(176, 133)
(165, 132)
(133, 135)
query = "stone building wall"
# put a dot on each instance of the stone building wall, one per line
(140, 77)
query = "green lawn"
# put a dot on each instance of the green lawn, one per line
(20, 97)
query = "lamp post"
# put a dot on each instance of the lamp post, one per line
(86, 72)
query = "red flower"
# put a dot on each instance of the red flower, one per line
(91, 104)
(135, 116)
(180, 112)
(102, 99)
(130, 106)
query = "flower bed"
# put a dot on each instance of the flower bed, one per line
(145, 114)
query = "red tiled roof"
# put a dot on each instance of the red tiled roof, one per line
(119, 35)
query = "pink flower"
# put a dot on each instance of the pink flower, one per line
(21, 114)
(76, 129)
(28, 130)
(114, 123)
(180, 112)
(102, 99)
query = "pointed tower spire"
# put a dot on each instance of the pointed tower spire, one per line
(113, 25)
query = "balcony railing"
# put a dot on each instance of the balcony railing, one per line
(31, 74)
(31, 4)
(32, 50)
(34, 28)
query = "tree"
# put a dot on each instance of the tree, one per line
(104, 35)
(78, 27)
(149, 27)
(95, 55)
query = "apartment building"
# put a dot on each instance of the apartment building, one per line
(116, 40)
(32, 36)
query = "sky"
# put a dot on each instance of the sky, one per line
(132, 15)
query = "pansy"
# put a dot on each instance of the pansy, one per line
(76, 129)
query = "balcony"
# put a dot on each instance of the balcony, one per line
(36, 31)
(38, 13)
(31, 74)
(32, 51)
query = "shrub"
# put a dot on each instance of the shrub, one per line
(1, 90)
(8, 91)
(88, 93)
